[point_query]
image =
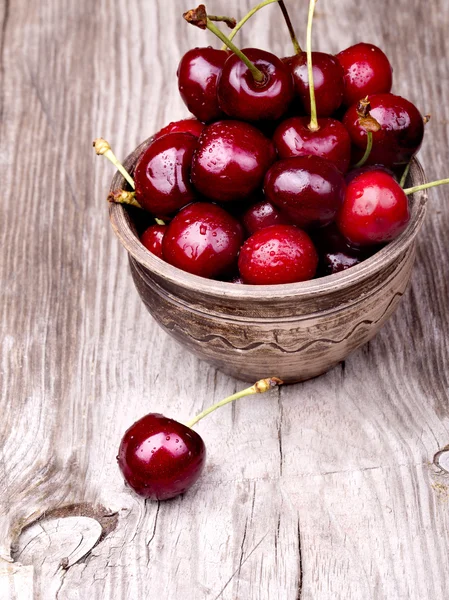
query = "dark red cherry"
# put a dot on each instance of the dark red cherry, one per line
(327, 78)
(162, 175)
(262, 214)
(241, 97)
(400, 136)
(198, 73)
(231, 160)
(293, 137)
(203, 239)
(335, 254)
(278, 254)
(161, 458)
(309, 189)
(366, 71)
(192, 126)
(375, 210)
(152, 238)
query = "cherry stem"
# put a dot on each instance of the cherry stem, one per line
(264, 385)
(405, 174)
(230, 22)
(369, 147)
(313, 125)
(246, 18)
(425, 186)
(103, 148)
(255, 72)
(291, 30)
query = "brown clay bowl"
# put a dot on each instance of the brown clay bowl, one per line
(294, 331)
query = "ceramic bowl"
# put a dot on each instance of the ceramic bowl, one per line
(294, 331)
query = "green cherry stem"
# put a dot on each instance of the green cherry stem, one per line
(264, 385)
(291, 30)
(246, 18)
(198, 17)
(313, 125)
(425, 186)
(405, 175)
(103, 148)
(369, 147)
(229, 21)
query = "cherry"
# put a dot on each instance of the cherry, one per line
(162, 174)
(375, 209)
(400, 136)
(152, 238)
(366, 169)
(192, 126)
(335, 254)
(231, 160)
(261, 215)
(203, 239)
(328, 79)
(161, 458)
(366, 71)
(293, 137)
(278, 254)
(326, 138)
(198, 73)
(309, 189)
(242, 97)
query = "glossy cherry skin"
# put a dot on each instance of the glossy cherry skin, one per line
(203, 239)
(366, 169)
(400, 136)
(294, 138)
(192, 126)
(162, 175)
(198, 74)
(327, 79)
(335, 254)
(375, 210)
(366, 71)
(231, 160)
(160, 458)
(152, 238)
(309, 189)
(241, 97)
(262, 214)
(278, 254)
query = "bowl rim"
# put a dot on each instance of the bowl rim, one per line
(122, 227)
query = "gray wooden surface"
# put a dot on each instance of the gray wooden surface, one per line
(326, 490)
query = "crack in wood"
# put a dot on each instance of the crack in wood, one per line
(154, 532)
(301, 571)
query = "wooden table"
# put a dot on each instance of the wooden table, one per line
(333, 489)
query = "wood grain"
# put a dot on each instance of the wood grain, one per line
(325, 490)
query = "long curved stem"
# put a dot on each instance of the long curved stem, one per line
(405, 175)
(369, 147)
(313, 126)
(102, 148)
(246, 18)
(425, 186)
(294, 39)
(264, 385)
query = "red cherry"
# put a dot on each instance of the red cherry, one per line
(198, 73)
(192, 126)
(278, 254)
(203, 239)
(366, 71)
(327, 78)
(309, 189)
(375, 210)
(152, 238)
(262, 214)
(161, 458)
(241, 97)
(293, 137)
(335, 254)
(366, 169)
(162, 175)
(400, 136)
(231, 160)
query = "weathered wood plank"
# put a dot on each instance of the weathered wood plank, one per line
(319, 491)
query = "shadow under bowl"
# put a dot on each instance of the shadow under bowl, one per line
(293, 331)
